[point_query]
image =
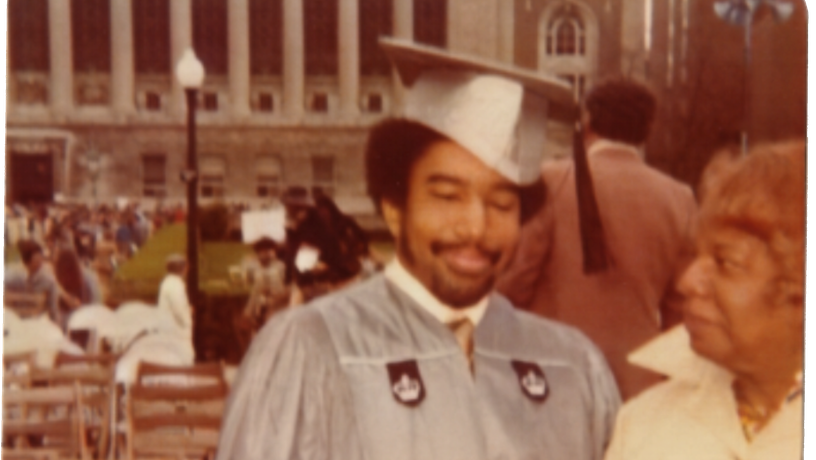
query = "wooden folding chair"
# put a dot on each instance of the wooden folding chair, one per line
(17, 369)
(39, 422)
(25, 304)
(175, 411)
(38, 454)
(97, 386)
(101, 360)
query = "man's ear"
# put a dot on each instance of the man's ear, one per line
(392, 215)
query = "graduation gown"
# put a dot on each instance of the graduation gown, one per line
(317, 383)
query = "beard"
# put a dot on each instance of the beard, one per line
(453, 289)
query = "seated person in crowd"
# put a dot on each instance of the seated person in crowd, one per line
(269, 292)
(734, 388)
(35, 276)
(77, 280)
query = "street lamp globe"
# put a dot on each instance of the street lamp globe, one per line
(189, 70)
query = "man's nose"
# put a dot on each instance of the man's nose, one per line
(471, 223)
(695, 280)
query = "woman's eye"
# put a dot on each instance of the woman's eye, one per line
(726, 263)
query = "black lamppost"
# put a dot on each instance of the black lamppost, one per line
(743, 13)
(190, 73)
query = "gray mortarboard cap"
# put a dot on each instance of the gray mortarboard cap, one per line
(495, 111)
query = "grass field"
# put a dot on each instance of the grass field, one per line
(139, 277)
(10, 255)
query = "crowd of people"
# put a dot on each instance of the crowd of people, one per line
(70, 252)
(101, 237)
(585, 309)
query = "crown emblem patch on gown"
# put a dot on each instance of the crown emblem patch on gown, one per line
(406, 382)
(531, 380)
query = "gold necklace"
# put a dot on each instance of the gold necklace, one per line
(753, 417)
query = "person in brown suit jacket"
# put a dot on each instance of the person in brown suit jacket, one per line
(646, 219)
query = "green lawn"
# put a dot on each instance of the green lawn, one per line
(139, 277)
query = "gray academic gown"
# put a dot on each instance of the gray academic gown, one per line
(315, 384)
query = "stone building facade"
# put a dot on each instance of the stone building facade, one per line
(292, 87)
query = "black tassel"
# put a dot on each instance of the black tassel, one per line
(593, 244)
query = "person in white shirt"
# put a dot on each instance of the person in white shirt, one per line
(734, 368)
(173, 294)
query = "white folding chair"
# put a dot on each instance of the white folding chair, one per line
(98, 320)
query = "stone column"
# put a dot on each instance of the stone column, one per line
(181, 38)
(122, 73)
(404, 19)
(293, 58)
(634, 52)
(238, 49)
(349, 63)
(62, 65)
(506, 29)
(473, 28)
(403, 28)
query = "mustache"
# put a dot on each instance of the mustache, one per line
(438, 247)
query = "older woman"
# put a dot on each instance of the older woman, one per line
(734, 388)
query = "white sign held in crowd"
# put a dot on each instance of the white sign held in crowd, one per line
(268, 223)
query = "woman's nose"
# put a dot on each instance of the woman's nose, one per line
(695, 280)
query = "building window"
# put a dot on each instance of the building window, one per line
(266, 37)
(319, 103)
(90, 27)
(373, 103)
(210, 101)
(320, 18)
(430, 22)
(152, 101)
(269, 176)
(376, 18)
(266, 102)
(151, 36)
(323, 174)
(210, 34)
(153, 174)
(28, 35)
(211, 176)
(566, 35)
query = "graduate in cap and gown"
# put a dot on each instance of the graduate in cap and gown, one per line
(426, 361)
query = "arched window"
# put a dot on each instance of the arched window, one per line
(568, 43)
(566, 34)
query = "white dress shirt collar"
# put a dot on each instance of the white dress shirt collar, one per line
(604, 144)
(405, 281)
